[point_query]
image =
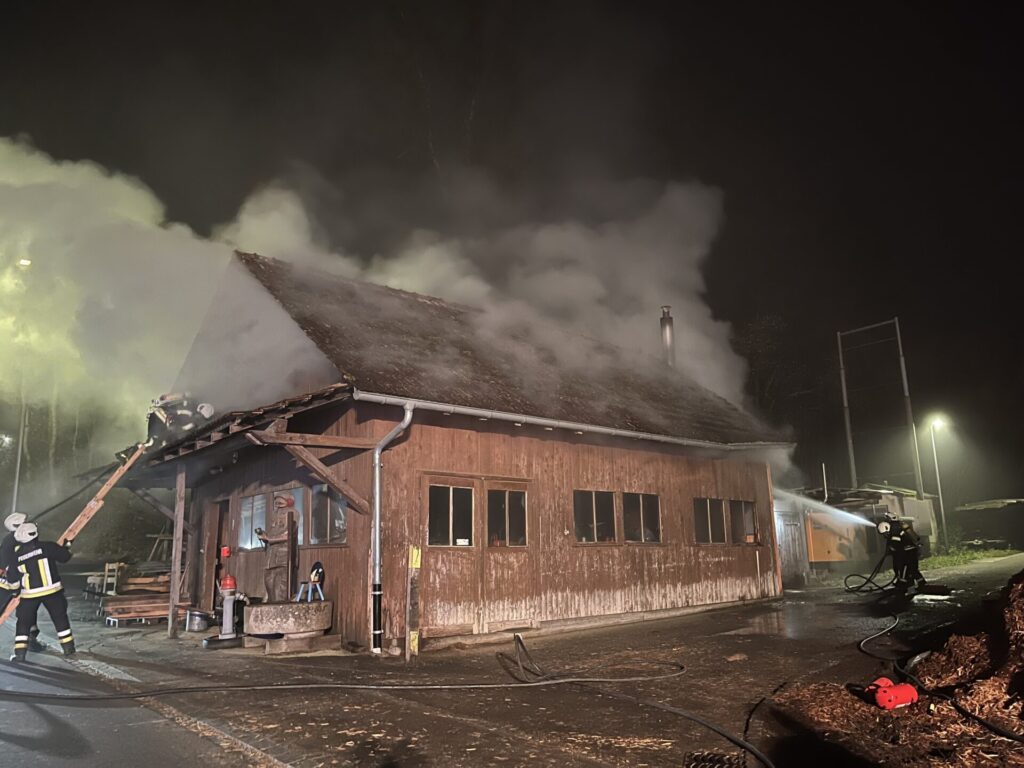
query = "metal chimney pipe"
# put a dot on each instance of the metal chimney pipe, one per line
(668, 336)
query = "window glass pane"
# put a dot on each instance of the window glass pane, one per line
(605, 513)
(717, 521)
(259, 516)
(701, 527)
(496, 533)
(736, 521)
(339, 520)
(517, 518)
(462, 517)
(298, 503)
(631, 523)
(439, 516)
(328, 517)
(583, 515)
(652, 518)
(245, 526)
(749, 523)
(320, 515)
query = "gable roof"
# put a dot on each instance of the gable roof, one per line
(406, 345)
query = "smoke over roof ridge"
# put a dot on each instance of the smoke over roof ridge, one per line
(394, 342)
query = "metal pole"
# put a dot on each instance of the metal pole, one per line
(910, 413)
(846, 413)
(21, 450)
(824, 482)
(938, 482)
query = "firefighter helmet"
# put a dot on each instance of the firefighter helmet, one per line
(13, 520)
(26, 532)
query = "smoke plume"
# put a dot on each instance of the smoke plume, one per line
(114, 295)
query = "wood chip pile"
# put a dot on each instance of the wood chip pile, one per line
(984, 673)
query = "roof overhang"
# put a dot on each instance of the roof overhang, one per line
(522, 419)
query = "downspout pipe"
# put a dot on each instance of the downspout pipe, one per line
(377, 591)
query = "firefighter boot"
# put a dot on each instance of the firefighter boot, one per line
(19, 655)
(33, 641)
(68, 648)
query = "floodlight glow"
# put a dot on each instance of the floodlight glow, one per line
(24, 262)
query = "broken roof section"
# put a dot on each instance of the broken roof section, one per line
(391, 342)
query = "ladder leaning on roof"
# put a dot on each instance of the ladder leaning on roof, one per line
(88, 512)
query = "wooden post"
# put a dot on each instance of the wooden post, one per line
(179, 528)
(412, 604)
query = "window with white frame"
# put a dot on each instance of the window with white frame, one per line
(594, 516)
(709, 521)
(328, 517)
(641, 518)
(450, 516)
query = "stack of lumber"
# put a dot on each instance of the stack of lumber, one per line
(152, 567)
(142, 608)
(152, 584)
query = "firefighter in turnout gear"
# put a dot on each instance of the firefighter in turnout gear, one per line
(9, 581)
(37, 561)
(903, 543)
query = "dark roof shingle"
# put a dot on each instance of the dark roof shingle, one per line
(392, 342)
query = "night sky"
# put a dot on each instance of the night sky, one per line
(868, 155)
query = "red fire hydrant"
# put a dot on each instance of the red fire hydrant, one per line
(228, 588)
(890, 695)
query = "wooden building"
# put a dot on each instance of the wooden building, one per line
(540, 492)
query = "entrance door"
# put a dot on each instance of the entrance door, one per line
(215, 535)
(450, 575)
(509, 593)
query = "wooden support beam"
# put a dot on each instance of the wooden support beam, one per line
(320, 471)
(179, 528)
(160, 507)
(316, 441)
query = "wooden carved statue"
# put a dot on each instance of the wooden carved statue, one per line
(280, 542)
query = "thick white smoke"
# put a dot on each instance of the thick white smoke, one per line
(115, 294)
(605, 281)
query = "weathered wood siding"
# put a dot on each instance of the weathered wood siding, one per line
(481, 589)
(269, 468)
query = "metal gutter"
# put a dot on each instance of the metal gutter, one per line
(377, 591)
(550, 424)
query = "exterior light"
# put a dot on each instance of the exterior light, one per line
(938, 422)
(24, 263)
(6, 440)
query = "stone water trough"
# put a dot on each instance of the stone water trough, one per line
(302, 624)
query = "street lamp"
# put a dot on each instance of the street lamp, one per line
(937, 422)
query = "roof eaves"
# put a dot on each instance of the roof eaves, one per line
(524, 419)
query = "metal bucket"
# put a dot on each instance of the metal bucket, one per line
(196, 621)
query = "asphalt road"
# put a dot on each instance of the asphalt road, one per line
(108, 734)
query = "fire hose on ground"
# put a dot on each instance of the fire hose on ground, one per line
(902, 670)
(521, 666)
